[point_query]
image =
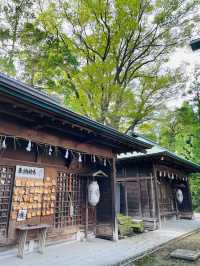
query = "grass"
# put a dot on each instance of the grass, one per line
(162, 257)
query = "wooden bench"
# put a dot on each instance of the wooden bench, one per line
(22, 237)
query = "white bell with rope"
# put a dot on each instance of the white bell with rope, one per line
(179, 196)
(93, 193)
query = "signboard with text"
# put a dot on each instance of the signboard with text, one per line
(29, 172)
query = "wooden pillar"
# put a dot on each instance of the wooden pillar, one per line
(126, 199)
(113, 191)
(149, 196)
(139, 192)
(189, 194)
(86, 209)
(153, 198)
(156, 196)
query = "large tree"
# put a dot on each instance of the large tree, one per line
(31, 51)
(122, 47)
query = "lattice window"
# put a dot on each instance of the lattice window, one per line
(6, 184)
(68, 194)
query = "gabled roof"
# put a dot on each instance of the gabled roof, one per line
(157, 152)
(25, 94)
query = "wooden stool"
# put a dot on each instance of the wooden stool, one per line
(23, 231)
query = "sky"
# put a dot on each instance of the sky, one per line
(188, 59)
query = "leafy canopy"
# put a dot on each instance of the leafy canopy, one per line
(107, 58)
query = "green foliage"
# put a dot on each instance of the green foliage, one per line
(127, 225)
(116, 42)
(105, 58)
(195, 189)
(31, 44)
(179, 131)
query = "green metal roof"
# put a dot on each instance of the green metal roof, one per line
(158, 151)
(195, 44)
(27, 94)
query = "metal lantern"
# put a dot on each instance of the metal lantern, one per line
(179, 196)
(93, 193)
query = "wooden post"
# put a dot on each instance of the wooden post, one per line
(126, 199)
(22, 243)
(149, 197)
(156, 196)
(189, 194)
(153, 198)
(86, 210)
(113, 191)
(139, 191)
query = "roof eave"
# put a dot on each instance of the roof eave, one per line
(190, 166)
(19, 90)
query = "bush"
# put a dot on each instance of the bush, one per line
(127, 226)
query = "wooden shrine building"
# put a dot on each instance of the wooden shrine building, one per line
(48, 157)
(155, 185)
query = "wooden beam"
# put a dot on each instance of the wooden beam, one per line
(41, 113)
(127, 179)
(15, 114)
(11, 129)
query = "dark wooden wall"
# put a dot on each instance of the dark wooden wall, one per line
(13, 156)
(137, 180)
(147, 189)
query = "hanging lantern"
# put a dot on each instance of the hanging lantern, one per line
(93, 193)
(179, 196)
(50, 150)
(79, 158)
(67, 154)
(28, 148)
(3, 145)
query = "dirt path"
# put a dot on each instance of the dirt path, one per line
(162, 258)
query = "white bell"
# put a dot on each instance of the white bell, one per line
(28, 148)
(79, 158)
(93, 193)
(3, 145)
(67, 154)
(50, 150)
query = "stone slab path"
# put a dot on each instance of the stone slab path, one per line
(99, 252)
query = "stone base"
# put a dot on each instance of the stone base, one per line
(185, 254)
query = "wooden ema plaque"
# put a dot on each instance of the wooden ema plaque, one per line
(35, 196)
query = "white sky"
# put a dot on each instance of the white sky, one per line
(188, 59)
